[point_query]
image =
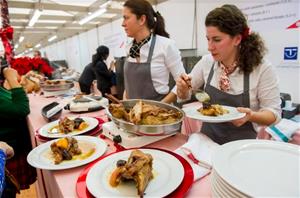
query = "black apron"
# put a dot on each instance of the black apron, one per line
(226, 132)
(138, 81)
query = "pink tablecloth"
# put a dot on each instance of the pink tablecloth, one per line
(190, 125)
(62, 183)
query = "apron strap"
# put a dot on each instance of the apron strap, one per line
(211, 73)
(246, 98)
(151, 48)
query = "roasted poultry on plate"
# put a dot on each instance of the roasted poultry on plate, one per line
(212, 110)
(138, 167)
(64, 149)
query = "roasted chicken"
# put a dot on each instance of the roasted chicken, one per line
(67, 125)
(212, 110)
(64, 149)
(119, 111)
(145, 114)
(138, 167)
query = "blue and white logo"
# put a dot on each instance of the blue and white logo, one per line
(290, 53)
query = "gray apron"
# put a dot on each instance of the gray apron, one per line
(138, 81)
(226, 132)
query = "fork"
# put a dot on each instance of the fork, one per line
(190, 155)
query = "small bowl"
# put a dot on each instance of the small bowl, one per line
(46, 108)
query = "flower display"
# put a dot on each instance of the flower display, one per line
(26, 64)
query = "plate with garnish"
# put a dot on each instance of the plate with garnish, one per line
(67, 152)
(213, 113)
(135, 173)
(68, 126)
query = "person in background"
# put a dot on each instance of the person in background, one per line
(103, 74)
(113, 87)
(86, 79)
(234, 74)
(152, 55)
(14, 108)
(37, 54)
(6, 152)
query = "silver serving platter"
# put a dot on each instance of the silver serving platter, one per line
(148, 130)
(66, 85)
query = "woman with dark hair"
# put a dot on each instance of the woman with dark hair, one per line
(86, 79)
(102, 73)
(152, 55)
(234, 74)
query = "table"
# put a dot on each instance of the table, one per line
(62, 183)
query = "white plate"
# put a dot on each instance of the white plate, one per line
(45, 130)
(167, 169)
(233, 114)
(40, 157)
(225, 187)
(259, 168)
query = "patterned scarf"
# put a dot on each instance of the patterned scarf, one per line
(134, 51)
(224, 82)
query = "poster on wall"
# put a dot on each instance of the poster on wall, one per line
(278, 22)
(117, 44)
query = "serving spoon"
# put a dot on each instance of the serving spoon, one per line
(202, 96)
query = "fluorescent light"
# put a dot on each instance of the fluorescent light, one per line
(37, 45)
(52, 38)
(36, 15)
(104, 5)
(21, 39)
(92, 16)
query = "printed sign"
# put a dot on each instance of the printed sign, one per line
(290, 53)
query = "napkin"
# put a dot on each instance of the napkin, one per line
(283, 130)
(53, 111)
(201, 147)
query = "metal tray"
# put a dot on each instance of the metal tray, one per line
(57, 87)
(150, 130)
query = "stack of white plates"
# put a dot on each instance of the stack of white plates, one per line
(256, 168)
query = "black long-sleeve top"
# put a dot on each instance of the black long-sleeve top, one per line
(103, 77)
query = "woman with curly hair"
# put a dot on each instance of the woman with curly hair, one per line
(234, 74)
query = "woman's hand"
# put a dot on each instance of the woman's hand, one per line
(296, 138)
(112, 65)
(125, 96)
(183, 84)
(246, 118)
(8, 150)
(12, 77)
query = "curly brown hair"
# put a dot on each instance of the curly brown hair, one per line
(230, 20)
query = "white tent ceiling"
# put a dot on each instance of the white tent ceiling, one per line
(58, 17)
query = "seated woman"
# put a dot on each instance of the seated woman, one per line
(234, 74)
(14, 107)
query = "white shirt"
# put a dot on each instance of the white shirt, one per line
(263, 86)
(166, 58)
